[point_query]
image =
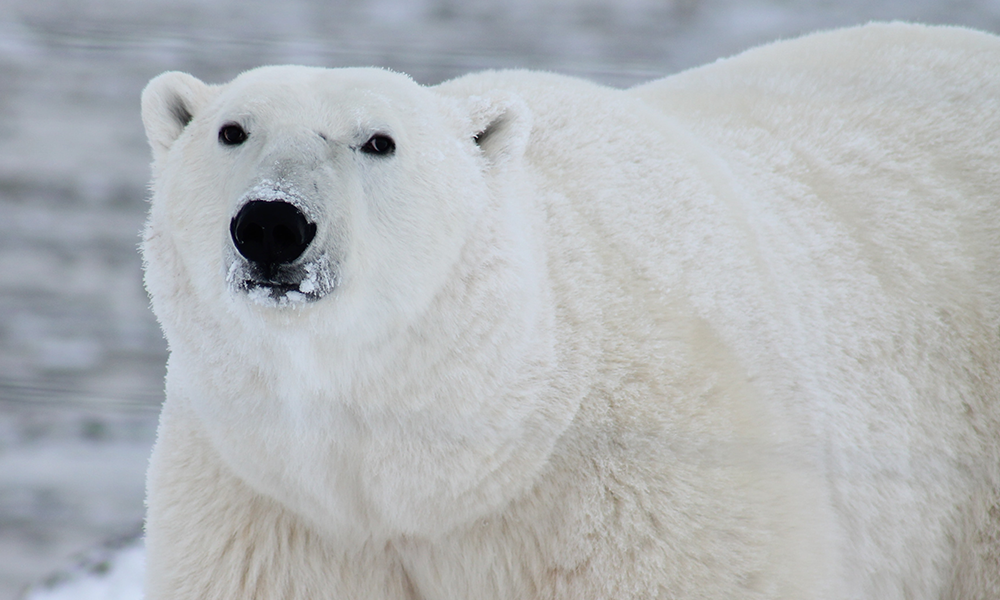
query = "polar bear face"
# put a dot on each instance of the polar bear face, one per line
(350, 189)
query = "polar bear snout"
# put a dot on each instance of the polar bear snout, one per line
(274, 259)
(271, 232)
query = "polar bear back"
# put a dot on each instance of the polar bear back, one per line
(864, 164)
(863, 168)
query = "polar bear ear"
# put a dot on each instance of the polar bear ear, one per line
(169, 102)
(501, 126)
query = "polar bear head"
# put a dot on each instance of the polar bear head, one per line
(319, 244)
(290, 187)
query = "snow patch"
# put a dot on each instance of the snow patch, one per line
(107, 573)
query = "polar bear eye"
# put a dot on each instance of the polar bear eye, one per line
(232, 134)
(379, 144)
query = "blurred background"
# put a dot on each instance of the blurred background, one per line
(81, 357)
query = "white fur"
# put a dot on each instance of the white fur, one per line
(731, 334)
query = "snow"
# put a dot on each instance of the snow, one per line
(81, 358)
(113, 573)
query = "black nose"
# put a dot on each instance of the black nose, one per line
(271, 232)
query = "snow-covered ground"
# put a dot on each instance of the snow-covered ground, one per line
(81, 359)
(110, 571)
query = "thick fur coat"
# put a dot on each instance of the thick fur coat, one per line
(730, 334)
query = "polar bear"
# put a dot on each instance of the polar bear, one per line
(731, 334)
